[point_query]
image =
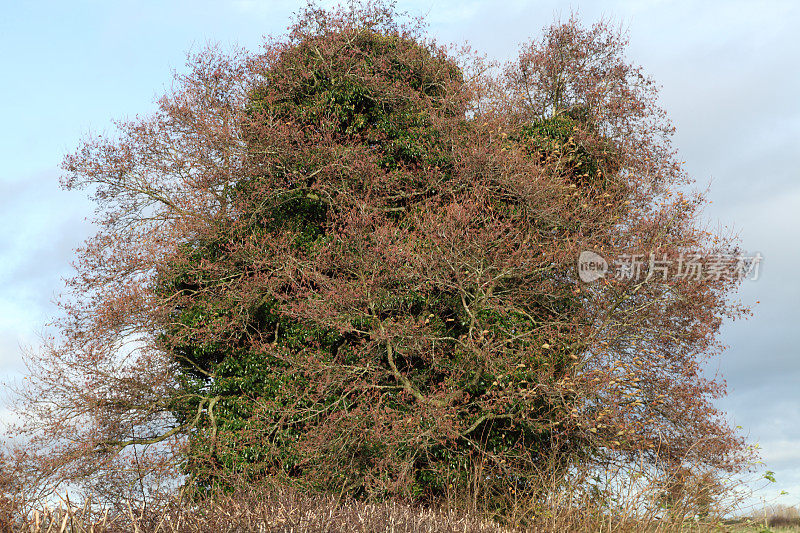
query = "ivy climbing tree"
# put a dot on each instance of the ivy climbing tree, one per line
(348, 263)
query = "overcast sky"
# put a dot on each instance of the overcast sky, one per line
(730, 73)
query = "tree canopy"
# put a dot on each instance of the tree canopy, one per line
(348, 262)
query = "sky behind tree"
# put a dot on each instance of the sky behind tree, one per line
(730, 78)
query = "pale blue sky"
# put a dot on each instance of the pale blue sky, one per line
(731, 78)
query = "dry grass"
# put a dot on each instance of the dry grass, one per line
(625, 501)
(773, 518)
(275, 511)
(285, 511)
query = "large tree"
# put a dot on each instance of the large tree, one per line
(348, 262)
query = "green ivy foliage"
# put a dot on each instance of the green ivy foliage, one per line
(239, 434)
(557, 141)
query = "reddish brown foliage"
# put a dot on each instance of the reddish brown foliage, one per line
(343, 262)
